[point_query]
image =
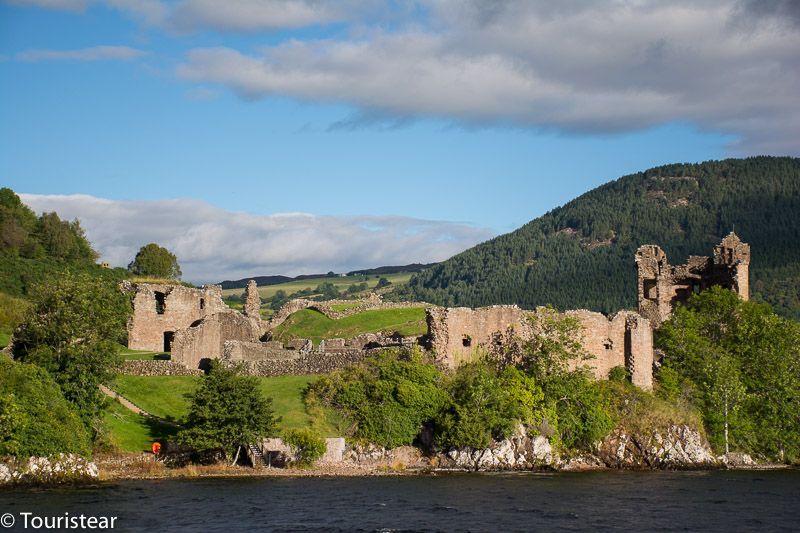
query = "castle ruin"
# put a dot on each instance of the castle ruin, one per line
(661, 286)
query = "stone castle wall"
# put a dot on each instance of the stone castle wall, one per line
(157, 368)
(161, 310)
(460, 334)
(304, 363)
(206, 339)
(662, 286)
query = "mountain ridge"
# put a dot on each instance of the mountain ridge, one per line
(581, 254)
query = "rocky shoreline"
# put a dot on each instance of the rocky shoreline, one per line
(678, 447)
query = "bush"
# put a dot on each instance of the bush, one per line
(389, 398)
(486, 405)
(35, 419)
(307, 446)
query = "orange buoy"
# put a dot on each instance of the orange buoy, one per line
(156, 447)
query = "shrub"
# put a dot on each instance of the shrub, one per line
(307, 446)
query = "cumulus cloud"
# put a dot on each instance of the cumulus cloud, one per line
(251, 15)
(577, 67)
(95, 53)
(213, 244)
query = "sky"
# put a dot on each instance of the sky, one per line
(256, 137)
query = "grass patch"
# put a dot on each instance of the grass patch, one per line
(640, 411)
(342, 283)
(163, 396)
(166, 397)
(5, 336)
(141, 355)
(131, 432)
(311, 324)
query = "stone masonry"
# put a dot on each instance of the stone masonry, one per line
(662, 286)
(458, 334)
(161, 310)
(252, 300)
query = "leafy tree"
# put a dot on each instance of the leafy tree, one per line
(486, 404)
(35, 419)
(327, 291)
(389, 397)
(73, 329)
(383, 282)
(307, 446)
(278, 300)
(155, 261)
(552, 356)
(742, 356)
(227, 411)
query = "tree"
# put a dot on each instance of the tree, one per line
(227, 412)
(35, 419)
(155, 261)
(743, 361)
(73, 329)
(486, 404)
(383, 282)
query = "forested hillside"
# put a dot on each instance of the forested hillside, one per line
(581, 255)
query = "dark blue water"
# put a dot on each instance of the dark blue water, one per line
(626, 501)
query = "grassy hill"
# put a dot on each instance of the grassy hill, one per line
(582, 254)
(341, 282)
(166, 397)
(311, 324)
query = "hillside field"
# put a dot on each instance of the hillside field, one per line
(311, 324)
(167, 397)
(342, 283)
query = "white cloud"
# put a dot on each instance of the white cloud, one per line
(63, 5)
(251, 15)
(574, 66)
(95, 53)
(213, 244)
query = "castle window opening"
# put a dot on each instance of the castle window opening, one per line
(160, 303)
(650, 289)
(608, 344)
(466, 341)
(202, 303)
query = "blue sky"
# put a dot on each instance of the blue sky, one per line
(477, 119)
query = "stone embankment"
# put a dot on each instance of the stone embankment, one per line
(157, 367)
(307, 363)
(370, 303)
(61, 468)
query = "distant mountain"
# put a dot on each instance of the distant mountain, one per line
(413, 267)
(275, 280)
(581, 255)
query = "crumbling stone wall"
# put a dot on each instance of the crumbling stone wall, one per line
(460, 334)
(371, 302)
(455, 334)
(236, 350)
(306, 363)
(161, 310)
(252, 300)
(661, 286)
(206, 339)
(157, 368)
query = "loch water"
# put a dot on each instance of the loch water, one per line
(588, 501)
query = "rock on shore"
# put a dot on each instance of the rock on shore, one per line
(61, 468)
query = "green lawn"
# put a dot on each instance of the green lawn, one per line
(342, 283)
(311, 324)
(165, 396)
(131, 432)
(140, 355)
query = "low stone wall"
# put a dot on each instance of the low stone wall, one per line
(310, 363)
(256, 351)
(157, 368)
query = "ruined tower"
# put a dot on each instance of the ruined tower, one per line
(252, 300)
(662, 286)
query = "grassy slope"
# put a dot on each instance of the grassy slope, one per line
(341, 282)
(310, 324)
(165, 396)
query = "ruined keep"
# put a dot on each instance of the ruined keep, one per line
(160, 310)
(626, 339)
(662, 286)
